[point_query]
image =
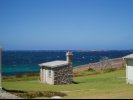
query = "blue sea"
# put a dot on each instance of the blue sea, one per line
(19, 62)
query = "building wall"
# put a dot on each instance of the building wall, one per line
(49, 79)
(59, 75)
(129, 71)
(41, 76)
(44, 76)
(63, 75)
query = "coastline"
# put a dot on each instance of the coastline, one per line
(115, 63)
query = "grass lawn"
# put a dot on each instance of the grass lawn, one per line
(105, 85)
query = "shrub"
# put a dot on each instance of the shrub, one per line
(19, 75)
(91, 69)
(32, 74)
(78, 75)
(109, 70)
(123, 66)
(32, 94)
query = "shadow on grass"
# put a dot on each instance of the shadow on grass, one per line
(13, 91)
(75, 82)
(78, 82)
(33, 94)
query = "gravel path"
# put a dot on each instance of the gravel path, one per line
(7, 95)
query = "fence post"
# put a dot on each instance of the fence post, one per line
(0, 69)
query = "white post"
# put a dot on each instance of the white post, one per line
(41, 76)
(0, 69)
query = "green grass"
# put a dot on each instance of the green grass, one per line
(105, 85)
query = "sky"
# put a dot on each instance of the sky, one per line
(66, 24)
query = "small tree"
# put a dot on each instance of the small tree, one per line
(105, 63)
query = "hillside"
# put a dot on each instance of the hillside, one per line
(114, 63)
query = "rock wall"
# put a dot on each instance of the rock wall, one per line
(63, 75)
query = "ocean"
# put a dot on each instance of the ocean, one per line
(19, 62)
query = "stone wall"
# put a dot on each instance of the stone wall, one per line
(63, 75)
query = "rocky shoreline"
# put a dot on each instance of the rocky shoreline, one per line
(113, 63)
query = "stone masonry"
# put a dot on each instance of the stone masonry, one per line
(63, 75)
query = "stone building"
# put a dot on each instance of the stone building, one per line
(129, 68)
(57, 72)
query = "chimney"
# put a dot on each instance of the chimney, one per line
(69, 57)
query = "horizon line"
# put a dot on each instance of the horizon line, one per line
(70, 50)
